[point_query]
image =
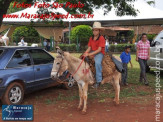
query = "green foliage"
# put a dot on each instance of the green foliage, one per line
(151, 36)
(12, 9)
(30, 34)
(122, 7)
(151, 2)
(4, 5)
(121, 47)
(68, 47)
(130, 34)
(81, 31)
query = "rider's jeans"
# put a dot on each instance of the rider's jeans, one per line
(98, 64)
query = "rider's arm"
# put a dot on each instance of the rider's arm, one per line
(88, 50)
(95, 52)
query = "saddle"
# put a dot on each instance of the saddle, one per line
(109, 65)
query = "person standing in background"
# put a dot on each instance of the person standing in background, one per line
(45, 44)
(106, 45)
(142, 55)
(126, 58)
(22, 41)
(48, 45)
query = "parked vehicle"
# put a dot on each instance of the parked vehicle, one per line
(23, 70)
(156, 53)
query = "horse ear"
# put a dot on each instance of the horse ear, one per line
(59, 51)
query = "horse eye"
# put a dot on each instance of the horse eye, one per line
(58, 63)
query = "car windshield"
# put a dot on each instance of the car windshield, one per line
(1, 51)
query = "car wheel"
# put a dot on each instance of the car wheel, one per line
(14, 94)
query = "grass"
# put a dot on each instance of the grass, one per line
(135, 89)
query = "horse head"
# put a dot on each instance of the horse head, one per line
(60, 65)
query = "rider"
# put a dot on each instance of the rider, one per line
(96, 48)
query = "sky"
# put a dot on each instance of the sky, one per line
(159, 4)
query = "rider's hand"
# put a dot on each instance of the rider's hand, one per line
(86, 54)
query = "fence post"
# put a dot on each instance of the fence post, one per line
(42, 42)
(51, 43)
(77, 43)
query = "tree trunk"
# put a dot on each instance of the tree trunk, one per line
(4, 5)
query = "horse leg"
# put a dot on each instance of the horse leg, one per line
(81, 96)
(5, 42)
(85, 90)
(117, 90)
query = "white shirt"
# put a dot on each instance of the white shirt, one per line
(22, 42)
(106, 43)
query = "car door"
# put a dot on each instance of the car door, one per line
(156, 52)
(20, 67)
(43, 63)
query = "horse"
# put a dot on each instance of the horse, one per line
(4, 39)
(82, 74)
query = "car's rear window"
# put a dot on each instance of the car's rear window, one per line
(1, 51)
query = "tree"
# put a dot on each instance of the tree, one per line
(12, 9)
(151, 2)
(81, 32)
(29, 33)
(4, 5)
(122, 7)
(130, 35)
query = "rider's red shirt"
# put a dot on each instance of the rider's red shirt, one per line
(95, 44)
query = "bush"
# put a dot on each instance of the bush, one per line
(130, 34)
(30, 34)
(151, 36)
(68, 47)
(81, 31)
(121, 47)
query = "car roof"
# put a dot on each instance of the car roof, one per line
(19, 47)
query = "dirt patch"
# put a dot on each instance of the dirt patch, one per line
(58, 105)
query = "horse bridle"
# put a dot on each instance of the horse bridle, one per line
(60, 66)
(77, 67)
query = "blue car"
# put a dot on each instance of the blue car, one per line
(23, 70)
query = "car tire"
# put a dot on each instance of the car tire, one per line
(14, 94)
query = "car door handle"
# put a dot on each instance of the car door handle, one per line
(38, 69)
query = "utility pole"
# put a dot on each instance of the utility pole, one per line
(69, 31)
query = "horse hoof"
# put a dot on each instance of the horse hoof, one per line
(79, 109)
(84, 112)
(116, 103)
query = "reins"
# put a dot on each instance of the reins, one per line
(69, 73)
(77, 68)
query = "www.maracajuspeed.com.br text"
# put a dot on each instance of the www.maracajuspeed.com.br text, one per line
(51, 16)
